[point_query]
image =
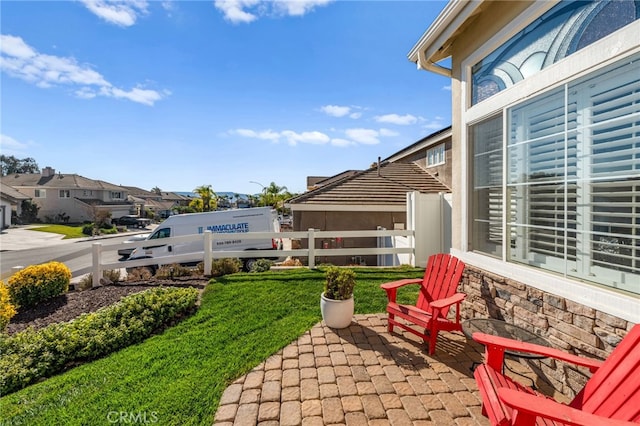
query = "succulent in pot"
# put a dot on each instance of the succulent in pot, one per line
(336, 302)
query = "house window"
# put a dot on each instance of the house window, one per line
(564, 29)
(574, 178)
(571, 179)
(41, 193)
(435, 155)
(486, 223)
(116, 195)
(87, 193)
(65, 193)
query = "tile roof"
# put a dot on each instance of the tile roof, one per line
(370, 187)
(12, 193)
(58, 180)
(141, 193)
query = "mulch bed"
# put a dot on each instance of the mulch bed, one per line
(68, 306)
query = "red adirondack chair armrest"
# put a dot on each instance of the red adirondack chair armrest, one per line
(392, 287)
(550, 409)
(496, 345)
(448, 301)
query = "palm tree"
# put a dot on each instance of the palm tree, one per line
(274, 196)
(207, 195)
(156, 190)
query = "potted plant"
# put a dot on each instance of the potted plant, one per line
(336, 302)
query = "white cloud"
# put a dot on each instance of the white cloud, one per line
(353, 136)
(401, 120)
(298, 7)
(363, 136)
(119, 12)
(289, 136)
(265, 135)
(335, 110)
(315, 138)
(246, 11)
(10, 146)
(22, 61)
(341, 142)
(342, 111)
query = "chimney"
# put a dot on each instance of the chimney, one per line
(48, 172)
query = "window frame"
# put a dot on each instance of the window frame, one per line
(438, 151)
(604, 52)
(64, 193)
(40, 193)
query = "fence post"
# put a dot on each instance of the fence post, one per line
(96, 249)
(208, 259)
(312, 249)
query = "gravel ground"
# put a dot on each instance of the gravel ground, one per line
(68, 306)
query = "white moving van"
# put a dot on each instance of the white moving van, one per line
(233, 223)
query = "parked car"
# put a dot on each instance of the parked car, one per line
(126, 251)
(133, 221)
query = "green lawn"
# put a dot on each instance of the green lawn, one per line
(177, 378)
(69, 231)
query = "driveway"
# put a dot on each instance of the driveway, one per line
(22, 238)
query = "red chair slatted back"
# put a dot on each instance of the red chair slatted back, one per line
(614, 389)
(441, 279)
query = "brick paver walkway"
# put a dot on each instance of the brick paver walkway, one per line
(361, 375)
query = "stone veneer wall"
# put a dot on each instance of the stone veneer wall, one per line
(565, 324)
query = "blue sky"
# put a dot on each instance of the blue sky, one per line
(178, 94)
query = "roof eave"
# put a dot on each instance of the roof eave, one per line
(435, 43)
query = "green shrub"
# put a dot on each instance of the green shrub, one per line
(225, 266)
(261, 265)
(7, 309)
(87, 229)
(36, 283)
(34, 354)
(172, 271)
(339, 283)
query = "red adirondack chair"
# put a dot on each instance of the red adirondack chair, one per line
(437, 295)
(610, 397)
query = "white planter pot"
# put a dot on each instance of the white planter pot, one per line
(336, 313)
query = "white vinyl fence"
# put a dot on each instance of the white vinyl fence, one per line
(208, 254)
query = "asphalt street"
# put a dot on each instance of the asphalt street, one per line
(20, 246)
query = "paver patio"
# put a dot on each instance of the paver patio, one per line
(357, 376)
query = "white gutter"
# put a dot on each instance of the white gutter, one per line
(432, 46)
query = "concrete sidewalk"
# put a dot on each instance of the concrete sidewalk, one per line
(23, 238)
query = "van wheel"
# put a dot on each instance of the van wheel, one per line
(248, 264)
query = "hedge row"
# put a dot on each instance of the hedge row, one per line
(33, 354)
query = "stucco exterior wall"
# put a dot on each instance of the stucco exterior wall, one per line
(441, 172)
(345, 221)
(5, 211)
